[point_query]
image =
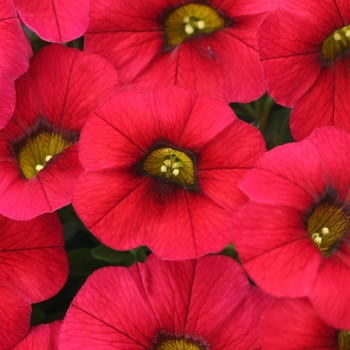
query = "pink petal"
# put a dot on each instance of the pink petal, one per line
(15, 311)
(15, 52)
(54, 21)
(32, 252)
(120, 308)
(331, 291)
(294, 324)
(43, 337)
(326, 103)
(275, 249)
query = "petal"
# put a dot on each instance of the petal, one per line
(32, 252)
(326, 103)
(43, 337)
(54, 21)
(294, 324)
(275, 249)
(15, 315)
(127, 308)
(330, 292)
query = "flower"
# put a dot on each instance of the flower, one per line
(38, 148)
(15, 52)
(161, 169)
(206, 46)
(297, 245)
(304, 49)
(58, 21)
(194, 305)
(43, 337)
(293, 324)
(33, 268)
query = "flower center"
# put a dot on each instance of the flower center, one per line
(36, 148)
(344, 340)
(190, 20)
(171, 164)
(336, 45)
(327, 224)
(177, 344)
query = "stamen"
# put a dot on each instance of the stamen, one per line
(39, 167)
(170, 164)
(188, 20)
(47, 158)
(337, 36)
(189, 29)
(200, 24)
(327, 225)
(167, 163)
(325, 230)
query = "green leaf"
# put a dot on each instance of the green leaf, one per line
(82, 262)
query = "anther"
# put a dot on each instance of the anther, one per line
(200, 24)
(325, 231)
(163, 169)
(189, 29)
(48, 157)
(176, 172)
(39, 167)
(337, 36)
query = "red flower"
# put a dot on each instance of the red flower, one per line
(54, 98)
(43, 337)
(54, 21)
(207, 46)
(15, 52)
(196, 304)
(33, 268)
(162, 171)
(297, 243)
(294, 324)
(304, 48)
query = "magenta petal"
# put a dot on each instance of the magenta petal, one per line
(54, 21)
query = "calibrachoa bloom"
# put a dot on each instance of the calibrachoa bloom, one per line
(292, 324)
(15, 52)
(208, 46)
(304, 48)
(33, 268)
(161, 305)
(38, 151)
(297, 243)
(162, 170)
(42, 337)
(54, 21)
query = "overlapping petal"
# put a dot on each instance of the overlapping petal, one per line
(209, 300)
(223, 64)
(54, 20)
(290, 43)
(34, 267)
(276, 248)
(61, 89)
(138, 209)
(15, 52)
(43, 337)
